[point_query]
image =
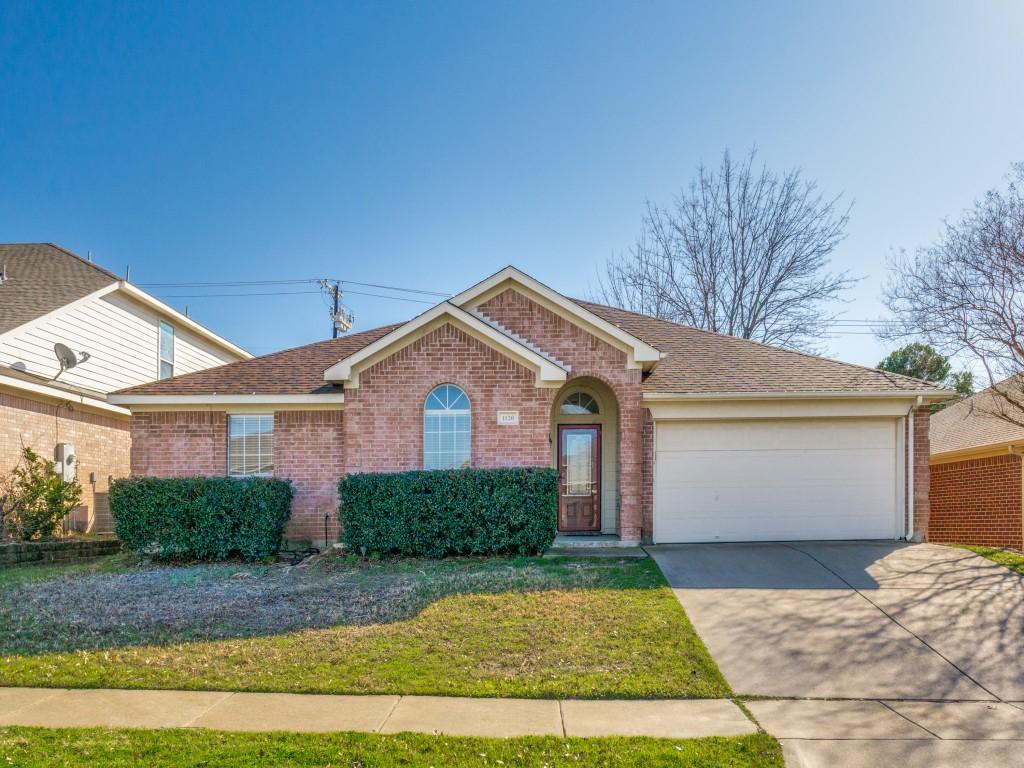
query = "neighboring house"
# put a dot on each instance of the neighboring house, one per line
(660, 431)
(120, 336)
(976, 478)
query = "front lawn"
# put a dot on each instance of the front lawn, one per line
(528, 627)
(101, 748)
(1005, 557)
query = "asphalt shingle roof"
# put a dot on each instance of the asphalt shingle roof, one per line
(703, 362)
(973, 423)
(42, 277)
(296, 371)
(696, 362)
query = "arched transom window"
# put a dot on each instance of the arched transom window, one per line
(446, 428)
(578, 403)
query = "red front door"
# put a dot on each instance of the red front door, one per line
(579, 475)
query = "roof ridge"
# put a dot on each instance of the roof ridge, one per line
(102, 270)
(886, 374)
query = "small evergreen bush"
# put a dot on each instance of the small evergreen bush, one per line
(450, 512)
(201, 518)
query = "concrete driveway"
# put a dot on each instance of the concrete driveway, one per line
(877, 653)
(854, 620)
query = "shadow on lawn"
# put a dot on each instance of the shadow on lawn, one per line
(158, 604)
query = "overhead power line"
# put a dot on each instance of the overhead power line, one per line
(244, 283)
(283, 293)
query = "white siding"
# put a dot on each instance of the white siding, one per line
(121, 337)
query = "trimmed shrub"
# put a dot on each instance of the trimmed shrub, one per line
(450, 512)
(201, 518)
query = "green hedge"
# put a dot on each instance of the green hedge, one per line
(450, 512)
(202, 518)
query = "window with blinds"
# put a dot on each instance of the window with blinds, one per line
(250, 445)
(446, 429)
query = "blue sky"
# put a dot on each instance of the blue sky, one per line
(426, 145)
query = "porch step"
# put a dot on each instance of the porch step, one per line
(604, 545)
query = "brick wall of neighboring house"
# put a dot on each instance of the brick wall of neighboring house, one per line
(978, 502)
(588, 356)
(383, 422)
(102, 445)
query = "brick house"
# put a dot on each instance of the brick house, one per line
(976, 477)
(661, 432)
(120, 336)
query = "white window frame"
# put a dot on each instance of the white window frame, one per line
(250, 415)
(160, 359)
(448, 415)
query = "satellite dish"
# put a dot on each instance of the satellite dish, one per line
(66, 356)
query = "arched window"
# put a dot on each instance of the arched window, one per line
(578, 403)
(446, 428)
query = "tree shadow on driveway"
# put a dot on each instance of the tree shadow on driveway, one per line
(854, 619)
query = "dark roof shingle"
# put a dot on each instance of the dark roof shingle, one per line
(296, 371)
(42, 277)
(696, 361)
(704, 362)
(974, 423)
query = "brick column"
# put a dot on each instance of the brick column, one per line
(630, 475)
(920, 456)
(647, 476)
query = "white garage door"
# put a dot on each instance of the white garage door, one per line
(776, 480)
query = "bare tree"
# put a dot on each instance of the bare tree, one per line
(965, 293)
(741, 251)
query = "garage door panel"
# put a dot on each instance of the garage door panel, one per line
(754, 487)
(795, 434)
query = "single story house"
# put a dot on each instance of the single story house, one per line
(976, 477)
(660, 432)
(116, 336)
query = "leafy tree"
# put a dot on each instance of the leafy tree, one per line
(962, 382)
(920, 361)
(34, 499)
(923, 361)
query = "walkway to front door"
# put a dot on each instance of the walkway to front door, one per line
(579, 475)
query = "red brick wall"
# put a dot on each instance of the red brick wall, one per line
(179, 443)
(384, 416)
(309, 450)
(922, 452)
(589, 356)
(101, 443)
(978, 502)
(647, 474)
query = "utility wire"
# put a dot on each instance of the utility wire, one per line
(243, 283)
(284, 293)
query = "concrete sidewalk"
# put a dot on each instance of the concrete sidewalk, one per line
(676, 719)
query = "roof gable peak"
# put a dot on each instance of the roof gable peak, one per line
(639, 353)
